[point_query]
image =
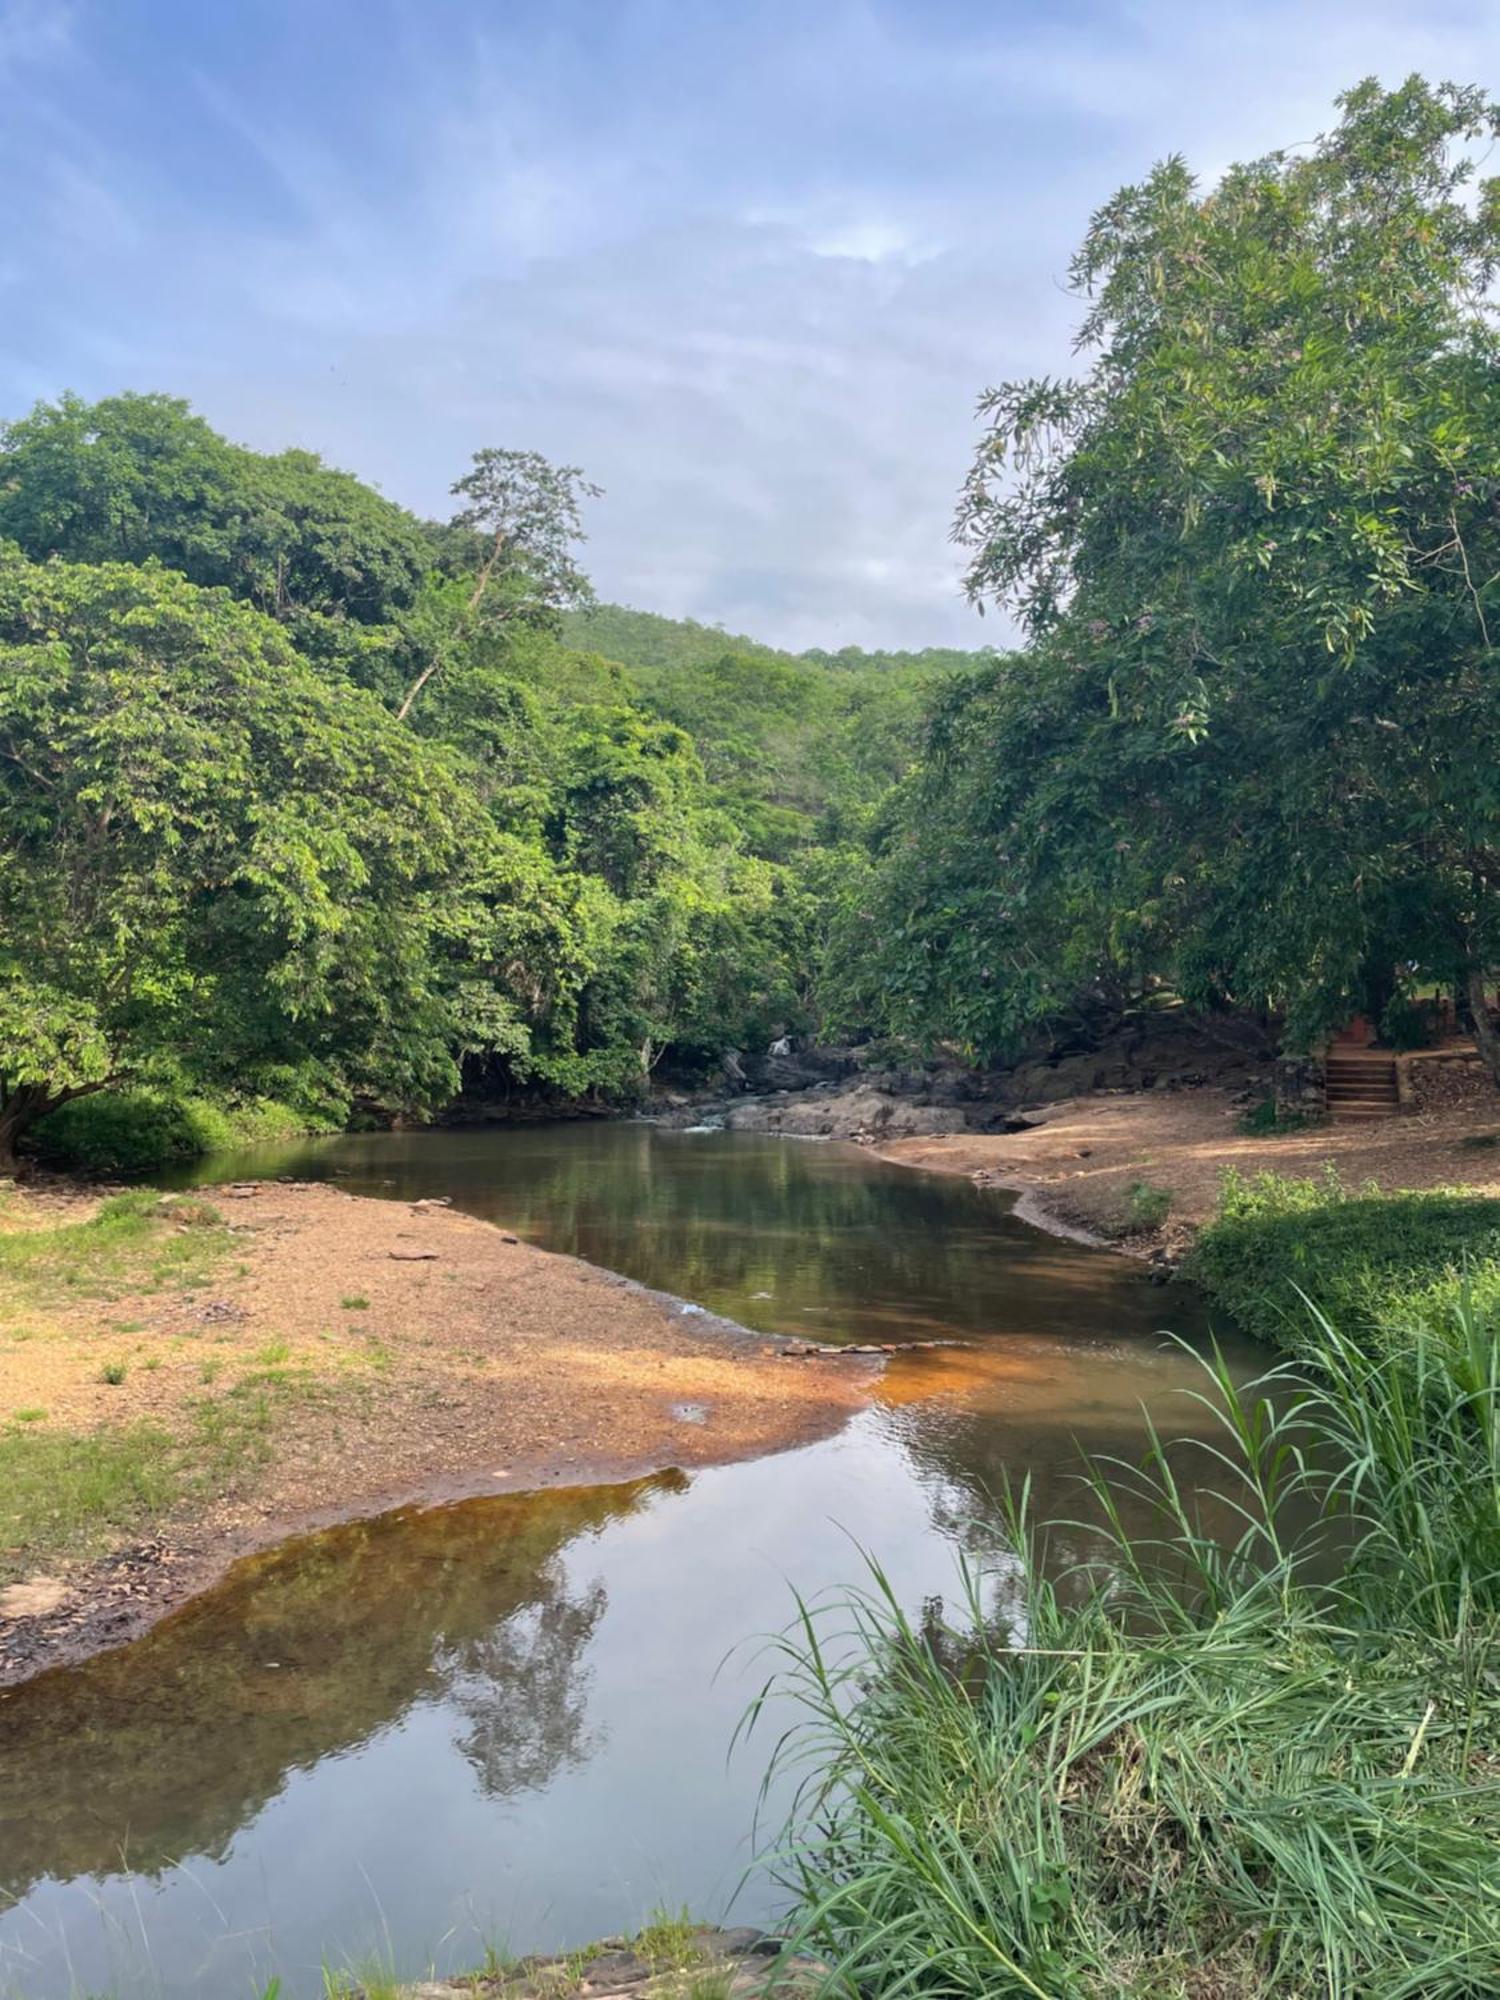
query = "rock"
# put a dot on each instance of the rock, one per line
(37, 1597)
(413, 1256)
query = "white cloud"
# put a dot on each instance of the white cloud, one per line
(749, 265)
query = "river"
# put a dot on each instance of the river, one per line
(508, 1721)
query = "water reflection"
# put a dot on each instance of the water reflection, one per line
(510, 1717)
(785, 1236)
(168, 1747)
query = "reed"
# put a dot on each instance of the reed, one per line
(1266, 1766)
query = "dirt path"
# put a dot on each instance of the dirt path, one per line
(1077, 1168)
(372, 1353)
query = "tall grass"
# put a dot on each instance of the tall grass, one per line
(1271, 1767)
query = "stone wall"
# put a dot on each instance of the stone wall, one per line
(1300, 1087)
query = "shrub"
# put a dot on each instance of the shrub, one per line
(134, 1131)
(1382, 1265)
(1266, 1121)
(1406, 1024)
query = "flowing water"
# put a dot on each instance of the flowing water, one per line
(508, 1721)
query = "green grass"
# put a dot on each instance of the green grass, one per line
(1373, 1261)
(137, 1241)
(1260, 1770)
(668, 1940)
(355, 1304)
(67, 1495)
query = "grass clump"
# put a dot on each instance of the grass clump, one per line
(1144, 1207)
(669, 1940)
(136, 1241)
(1264, 1769)
(1381, 1265)
(68, 1495)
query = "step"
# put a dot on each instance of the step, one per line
(1363, 1110)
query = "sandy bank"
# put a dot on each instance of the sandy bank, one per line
(1076, 1167)
(391, 1352)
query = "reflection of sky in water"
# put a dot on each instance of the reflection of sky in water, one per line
(509, 1719)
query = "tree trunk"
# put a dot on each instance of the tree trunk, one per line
(19, 1111)
(1486, 1035)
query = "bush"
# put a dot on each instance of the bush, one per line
(1265, 1121)
(1407, 1024)
(134, 1131)
(1382, 1265)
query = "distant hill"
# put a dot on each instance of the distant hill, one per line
(645, 639)
(798, 746)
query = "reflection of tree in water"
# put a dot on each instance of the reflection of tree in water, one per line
(167, 1748)
(523, 1691)
(783, 1235)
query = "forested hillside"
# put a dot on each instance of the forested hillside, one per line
(312, 808)
(798, 747)
(305, 800)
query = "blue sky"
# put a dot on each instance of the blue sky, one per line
(748, 264)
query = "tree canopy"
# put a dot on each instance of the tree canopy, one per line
(300, 794)
(1250, 749)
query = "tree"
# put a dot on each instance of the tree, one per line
(134, 477)
(1257, 548)
(207, 854)
(523, 520)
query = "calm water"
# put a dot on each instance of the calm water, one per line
(509, 1720)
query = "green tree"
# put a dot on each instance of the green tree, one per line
(207, 856)
(521, 520)
(1255, 743)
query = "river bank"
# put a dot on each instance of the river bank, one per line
(1142, 1172)
(205, 1379)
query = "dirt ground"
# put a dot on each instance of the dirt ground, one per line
(405, 1351)
(1077, 1167)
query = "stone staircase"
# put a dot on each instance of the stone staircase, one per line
(1362, 1083)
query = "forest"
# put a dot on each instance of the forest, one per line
(311, 810)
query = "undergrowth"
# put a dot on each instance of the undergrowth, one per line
(134, 1131)
(1254, 1770)
(1381, 1264)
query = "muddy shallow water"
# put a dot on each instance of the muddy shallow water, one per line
(509, 1720)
